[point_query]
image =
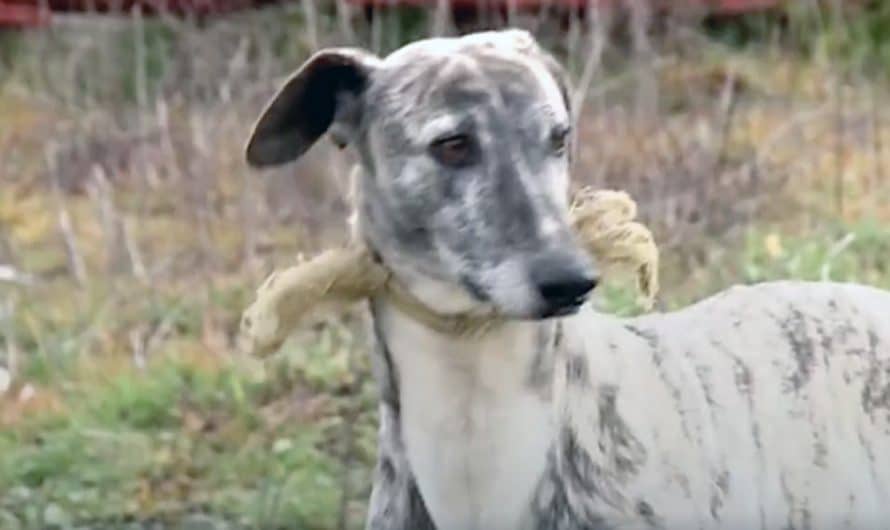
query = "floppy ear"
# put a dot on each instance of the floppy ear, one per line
(325, 93)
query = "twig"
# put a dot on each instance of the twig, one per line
(76, 263)
(376, 31)
(344, 16)
(597, 44)
(543, 14)
(9, 339)
(839, 147)
(137, 264)
(835, 251)
(139, 59)
(511, 12)
(440, 18)
(728, 101)
(573, 40)
(786, 128)
(199, 196)
(109, 218)
(9, 274)
(137, 344)
(249, 219)
(647, 90)
(877, 137)
(311, 13)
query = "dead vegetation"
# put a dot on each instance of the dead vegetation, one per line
(132, 235)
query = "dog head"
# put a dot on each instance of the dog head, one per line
(464, 145)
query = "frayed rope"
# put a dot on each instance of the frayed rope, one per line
(338, 278)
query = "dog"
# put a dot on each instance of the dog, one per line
(764, 406)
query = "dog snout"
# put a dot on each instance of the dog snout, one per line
(563, 281)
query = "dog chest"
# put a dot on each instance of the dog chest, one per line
(475, 432)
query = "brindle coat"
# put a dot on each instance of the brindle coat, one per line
(762, 407)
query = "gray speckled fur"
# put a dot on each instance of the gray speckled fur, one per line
(712, 370)
(763, 407)
(714, 404)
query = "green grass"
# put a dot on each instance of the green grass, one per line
(835, 251)
(186, 434)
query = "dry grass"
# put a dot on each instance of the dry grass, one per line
(136, 235)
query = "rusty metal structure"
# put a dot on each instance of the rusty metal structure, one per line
(39, 13)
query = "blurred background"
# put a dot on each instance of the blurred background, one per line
(753, 133)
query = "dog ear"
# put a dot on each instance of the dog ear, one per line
(324, 94)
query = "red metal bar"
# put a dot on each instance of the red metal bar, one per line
(37, 12)
(29, 12)
(716, 6)
(23, 15)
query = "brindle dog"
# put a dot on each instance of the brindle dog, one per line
(762, 407)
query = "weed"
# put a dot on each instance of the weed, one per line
(755, 155)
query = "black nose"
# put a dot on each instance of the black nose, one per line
(563, 281)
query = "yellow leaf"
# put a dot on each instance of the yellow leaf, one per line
(773, 244)
(28, 217)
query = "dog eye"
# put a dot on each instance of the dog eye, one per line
(457, 150)
(558, 139)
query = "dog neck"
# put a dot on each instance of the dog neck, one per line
(467, 323)
(475, 414)
(470, 413)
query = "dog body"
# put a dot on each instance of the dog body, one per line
(762, 407)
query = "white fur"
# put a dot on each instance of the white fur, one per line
(475, 434)
(689, 441)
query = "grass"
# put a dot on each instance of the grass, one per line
(128, 407)
(103, 444)
(188, 433)
(838, 251)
